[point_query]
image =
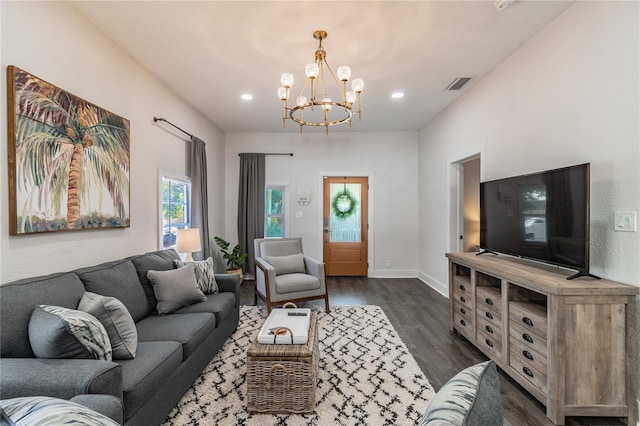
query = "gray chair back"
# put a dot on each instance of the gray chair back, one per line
(277, 246)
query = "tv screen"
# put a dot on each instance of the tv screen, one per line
(541, 216)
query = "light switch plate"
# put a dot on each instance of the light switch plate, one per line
(625, 222)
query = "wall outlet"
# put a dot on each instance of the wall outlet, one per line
(387, 263)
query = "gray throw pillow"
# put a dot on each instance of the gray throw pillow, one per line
(116, 319)
(205, 275)
(470, 398)
(175, 289)
(57, 332)
(290, 264)
(44, 410)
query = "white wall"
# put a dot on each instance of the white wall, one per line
(568, 96)
(51, 41)
(388, 158)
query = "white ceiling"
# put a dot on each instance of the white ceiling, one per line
(210, 52)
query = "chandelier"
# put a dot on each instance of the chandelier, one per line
(319, 109)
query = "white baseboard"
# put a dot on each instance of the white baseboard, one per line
(393, 273)
(441, 288)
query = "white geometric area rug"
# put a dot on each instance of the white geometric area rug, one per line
(366, 376)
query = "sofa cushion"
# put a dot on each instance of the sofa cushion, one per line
(115, 318)
(205, 275)
(147, 372)
(57, 332)
(161, 260)
(291, 264)
(222, 305)
(117, 279)
(175, 289)
(44, 410)
(470, 398)
(18, 299)
(296, 282)
(190, 330)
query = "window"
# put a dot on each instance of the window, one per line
(176, 208)
(274, 219)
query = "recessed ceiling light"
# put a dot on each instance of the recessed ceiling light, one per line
(397, 95)
(247, 97)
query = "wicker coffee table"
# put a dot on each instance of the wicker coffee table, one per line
(282, 378)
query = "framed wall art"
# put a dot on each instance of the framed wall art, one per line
(68, 160)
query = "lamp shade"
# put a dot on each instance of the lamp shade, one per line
(188, 241)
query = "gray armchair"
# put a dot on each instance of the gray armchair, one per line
(284, 274)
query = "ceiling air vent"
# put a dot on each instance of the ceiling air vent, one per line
(458, 83)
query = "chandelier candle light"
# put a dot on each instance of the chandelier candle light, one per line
(318, 108)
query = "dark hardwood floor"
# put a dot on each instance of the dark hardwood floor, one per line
(420, 315)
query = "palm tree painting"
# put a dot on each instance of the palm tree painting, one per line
(68, 160)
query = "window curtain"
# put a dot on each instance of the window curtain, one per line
(199, 200)
(251, 204)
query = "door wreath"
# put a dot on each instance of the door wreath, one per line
(343, 204)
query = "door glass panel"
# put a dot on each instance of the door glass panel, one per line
(345, 217)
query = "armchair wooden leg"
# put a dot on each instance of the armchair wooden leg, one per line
(326, 303)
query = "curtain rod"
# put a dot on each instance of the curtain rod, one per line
(290, 154)
(156, 119)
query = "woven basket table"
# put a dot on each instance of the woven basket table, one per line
(282, 378)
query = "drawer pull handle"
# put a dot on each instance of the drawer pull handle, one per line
(527, 355)
(489, 329)
(488, 315)
(462, 311)
(462, 288)
(463, 322)
(527, 371)
(462, 299)
(489, 301)
(527, 321)
(489, 342)
(527, 338)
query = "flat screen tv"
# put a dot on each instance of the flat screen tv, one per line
(540, 216)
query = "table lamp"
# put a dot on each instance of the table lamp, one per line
(188, 241)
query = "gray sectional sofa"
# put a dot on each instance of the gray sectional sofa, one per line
(172, 350)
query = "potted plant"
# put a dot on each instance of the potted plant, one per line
(234, 259)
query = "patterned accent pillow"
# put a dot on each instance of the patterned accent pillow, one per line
(291, 264)
(471, 397)
(205, 275)
(117, 321)
(43, 410)
(57, 332)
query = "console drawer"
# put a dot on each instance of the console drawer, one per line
(528, 338)
(490, 342)
(463, 324)
(489, 298)
(463, 311)
(489, 329)
(529, 315)
(525, 370)
(528, 355)
(489, 314)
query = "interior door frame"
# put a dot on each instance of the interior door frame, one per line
(456, 196)
(370, 234)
